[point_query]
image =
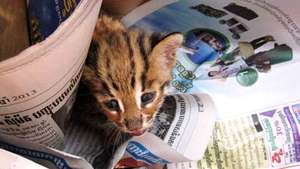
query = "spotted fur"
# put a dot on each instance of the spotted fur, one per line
(124, 66)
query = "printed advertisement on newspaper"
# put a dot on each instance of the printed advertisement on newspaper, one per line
(267, 139)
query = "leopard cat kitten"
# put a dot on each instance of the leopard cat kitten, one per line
(128, 72)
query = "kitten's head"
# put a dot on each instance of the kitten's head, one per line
(128, 73)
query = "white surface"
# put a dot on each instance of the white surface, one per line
(9, 160)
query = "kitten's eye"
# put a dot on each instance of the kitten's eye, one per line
(113, 105)
(148, 97)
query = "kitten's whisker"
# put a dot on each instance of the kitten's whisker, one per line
(149, 124)
(112, 135)
(163, 115)
(114, 142)
(117, 140)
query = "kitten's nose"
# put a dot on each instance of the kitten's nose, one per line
(134, 124)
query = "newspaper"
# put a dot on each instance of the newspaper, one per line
(34, 113)
(42, 155)
(266, 139)
(38, 85)
(232, 63)
(233, 34)
(9, 159)
(183, 123)
(186, 121)
(244, 54)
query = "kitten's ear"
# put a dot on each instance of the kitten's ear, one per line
(163, 56)
(164, 52)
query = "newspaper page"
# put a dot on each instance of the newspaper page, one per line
(184, 122)
(38, 85)
(84, 148)
(236, 51)
(9, 160)
(266, 139)
(236, 59)
(42, 155)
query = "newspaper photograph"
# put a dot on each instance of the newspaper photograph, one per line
(232, 49)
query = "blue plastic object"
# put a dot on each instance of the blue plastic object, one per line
(46, 16)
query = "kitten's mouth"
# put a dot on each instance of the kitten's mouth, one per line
(137, 132)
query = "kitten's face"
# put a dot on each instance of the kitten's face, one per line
(129, 77)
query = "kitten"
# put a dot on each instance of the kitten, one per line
(128, 73)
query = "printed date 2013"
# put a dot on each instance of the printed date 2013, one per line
(6, 100)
